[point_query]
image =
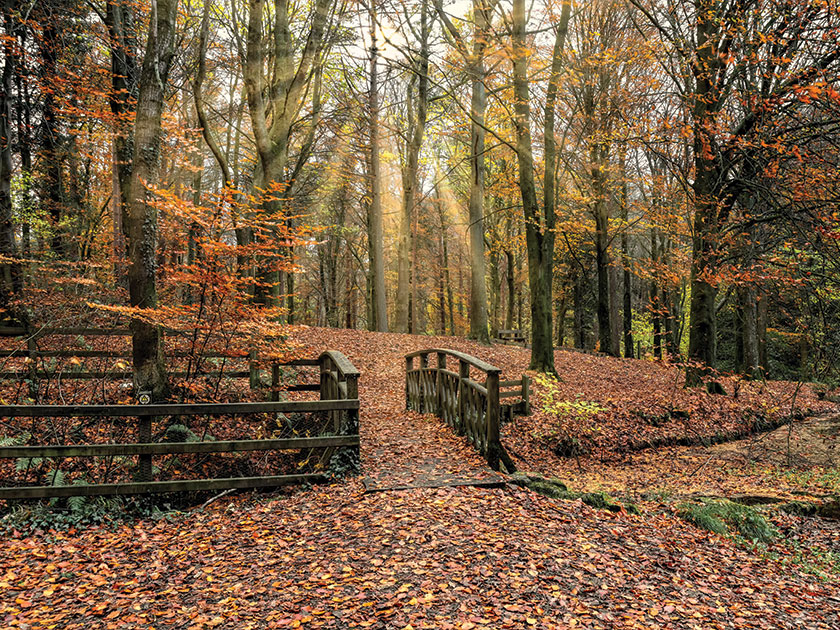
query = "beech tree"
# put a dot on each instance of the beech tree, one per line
(539, 219)
(141, 218)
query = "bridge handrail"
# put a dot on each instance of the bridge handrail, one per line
(469, 407)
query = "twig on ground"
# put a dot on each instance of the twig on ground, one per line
(216, 498)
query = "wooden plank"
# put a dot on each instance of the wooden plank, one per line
(156, 487)
(476, 386)
(341, 362)
(516, 383)
(302, 362)
(509, 394)
(168, 448)
(197, 409)
(65, 375)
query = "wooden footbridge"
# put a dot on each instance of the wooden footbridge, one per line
(469, 400)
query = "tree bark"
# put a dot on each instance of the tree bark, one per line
(478, 289)
(627, 311)
(122, 46)
(417, 107)
(141, 219)
(7, 229)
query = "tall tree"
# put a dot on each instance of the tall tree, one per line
(274, 102)
(417, 105)
(7, 229)
(474, 59)
(539, 220)
(141, 220)
(379, 305)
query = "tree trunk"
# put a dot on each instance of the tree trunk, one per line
(122, 98)
(416, 108)
(478, 289)
(285, 92)
(375, 239)
(511, 289)
(53, 181)
(141, 219)
(702, 337)
(598, 159)
(495, 291)
(577, 303)
(655, 306)
(761, 332)
(7, 229)
(747, 305)
(561, 318)
(539, 223)
(627, 311)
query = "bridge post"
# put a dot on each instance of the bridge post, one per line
(463, 375)
(421, 401)
(409, 365)
(441, 365)
(492, 436)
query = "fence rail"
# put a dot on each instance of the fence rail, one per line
(469, 407)
(338, 400)
(35, 372)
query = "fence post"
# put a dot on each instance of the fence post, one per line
(526, 394)
(352, 426)
(144, 436)
(275, 381)
(253, 370)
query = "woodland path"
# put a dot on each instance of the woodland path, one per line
(400, 448)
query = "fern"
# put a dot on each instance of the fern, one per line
(15, 440)
(721, 517)
(25, 463)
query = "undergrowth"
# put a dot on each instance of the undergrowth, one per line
(728, 518)
(80, 512)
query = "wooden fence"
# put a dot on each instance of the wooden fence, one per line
(469, 407)
(34, 371)
(338, 400)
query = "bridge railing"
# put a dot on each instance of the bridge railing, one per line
(471, 407)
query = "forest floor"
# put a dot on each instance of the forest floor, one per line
(453, 554)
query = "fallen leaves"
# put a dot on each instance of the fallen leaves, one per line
(444, 558)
